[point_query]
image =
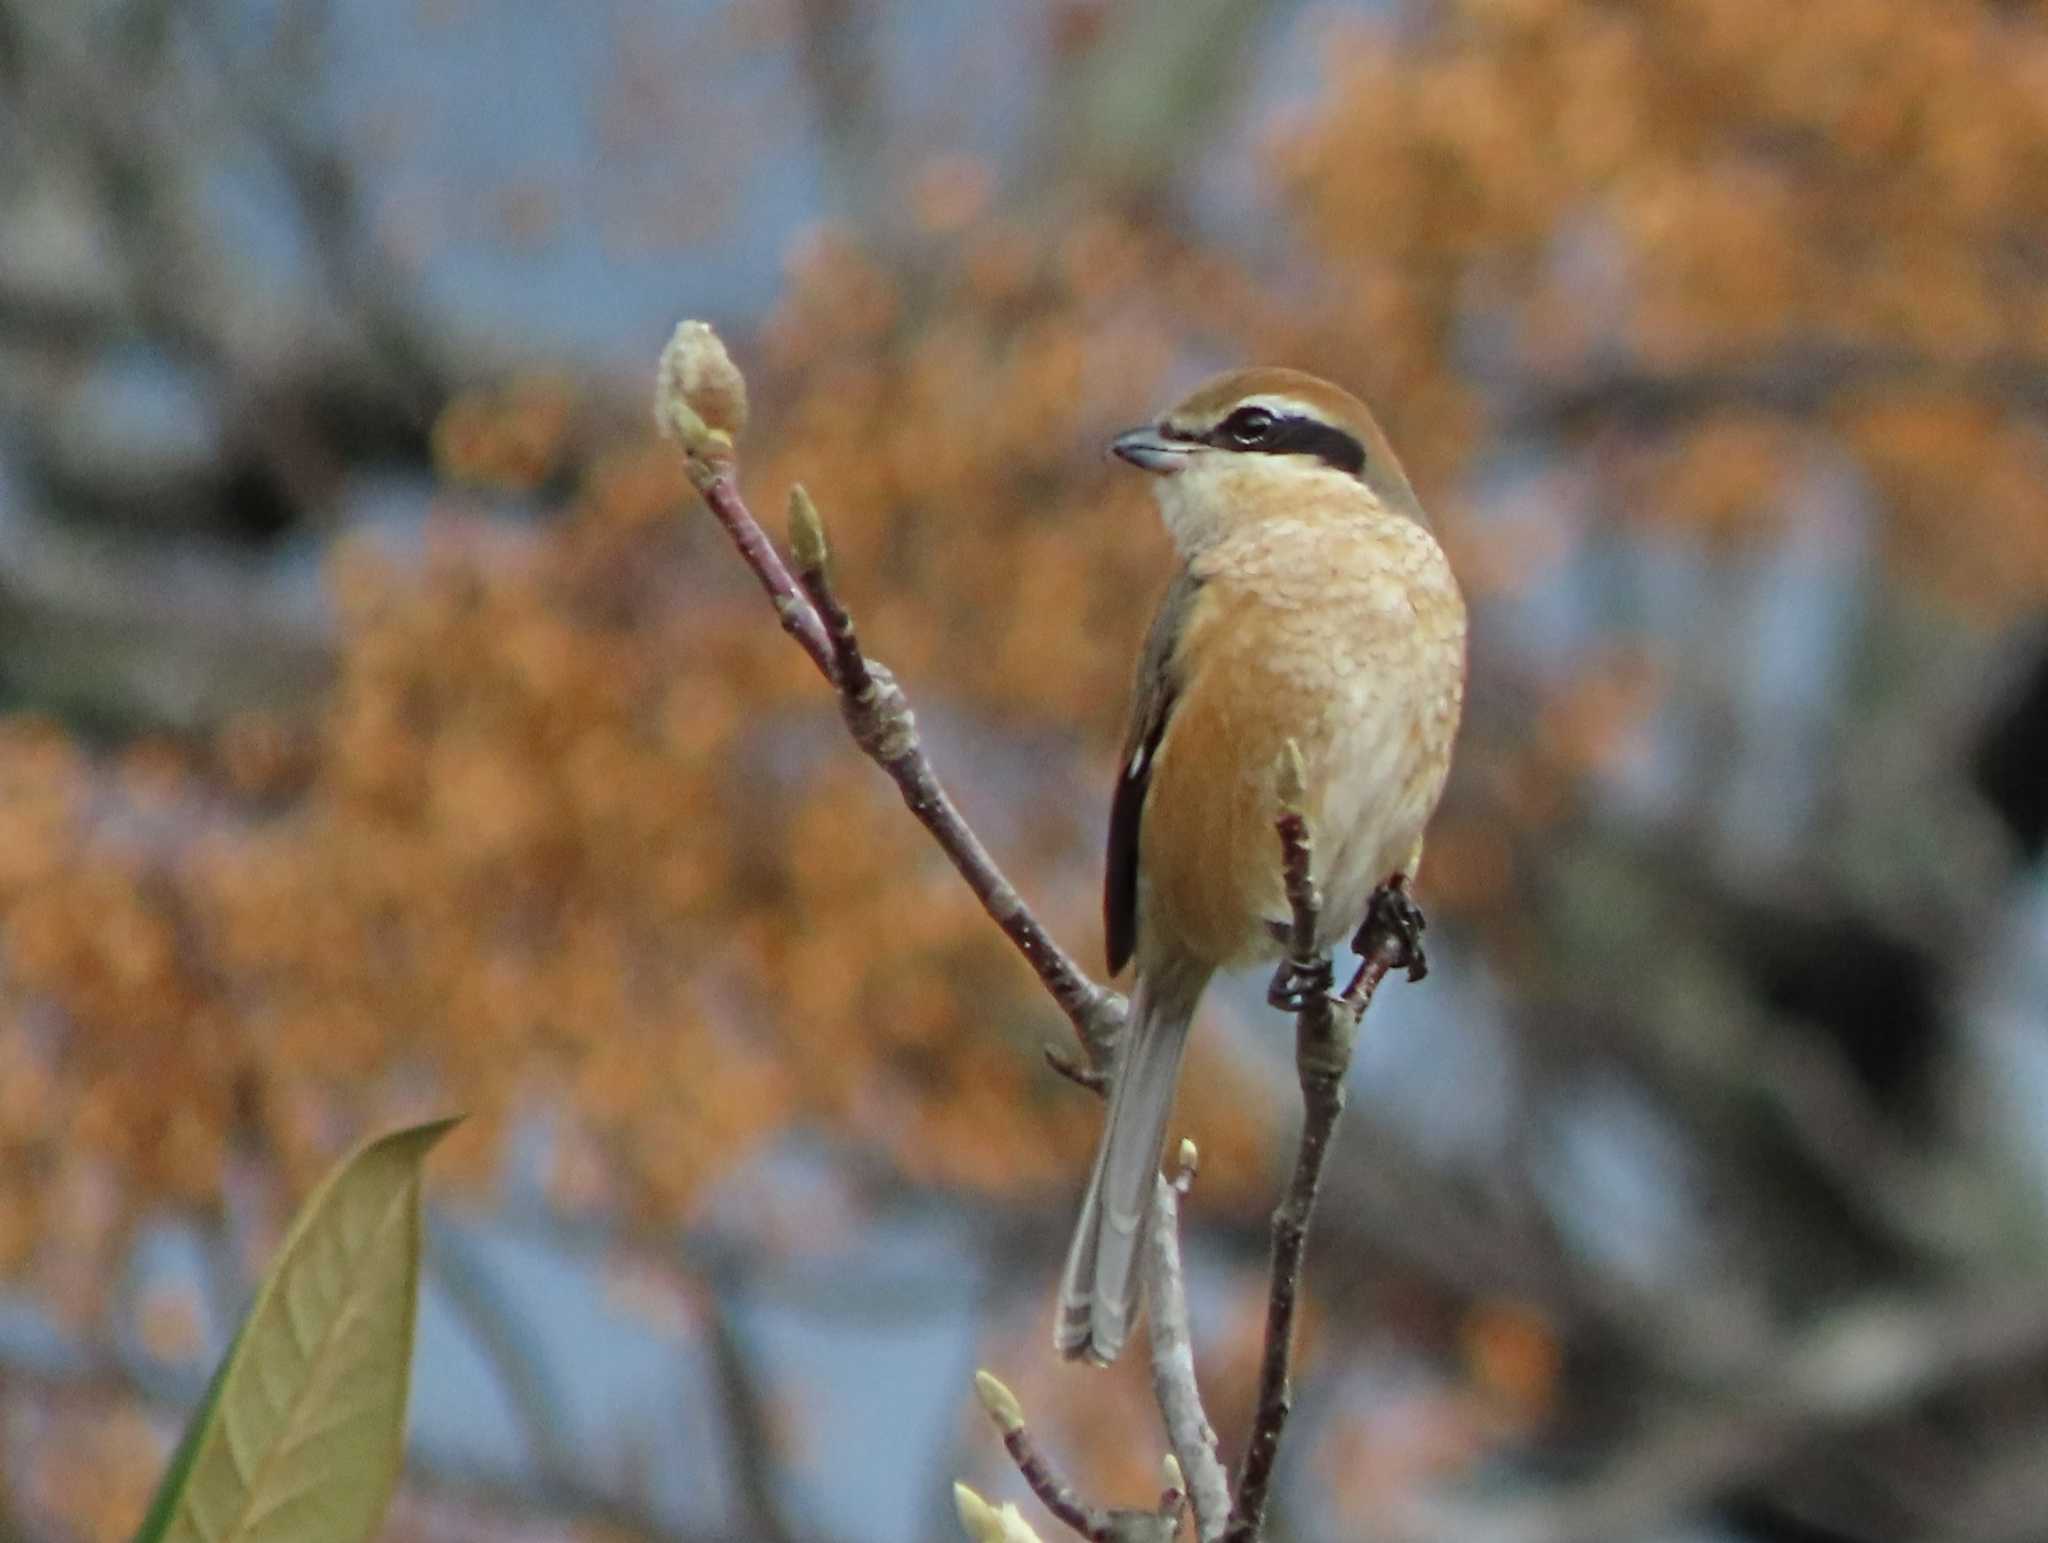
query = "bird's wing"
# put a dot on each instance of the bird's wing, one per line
(1152, 699)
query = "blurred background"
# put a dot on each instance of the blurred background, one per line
(386, 731)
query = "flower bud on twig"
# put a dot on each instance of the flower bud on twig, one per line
(806, 532)
(700, 398)
(985, 1523)
(999, 1401)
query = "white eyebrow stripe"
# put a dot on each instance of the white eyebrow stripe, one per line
(1281, 407)
(1278, 406)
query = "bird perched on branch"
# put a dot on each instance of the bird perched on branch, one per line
(1311, 603)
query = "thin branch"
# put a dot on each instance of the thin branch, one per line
(512, 1347)
(1094, 1079)
(432, 1472)
(1795, 382)
(1188, 1431)
(837, 50)
(749, 1426)
(2004, 1497)
(813, 566)
(879, 716)
(875, 708)
(878, 725)
(1859, 1364)
(1325, 1026)
(1053, 1491)
(722, 497)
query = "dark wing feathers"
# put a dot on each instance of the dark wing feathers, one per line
(1152, 699)
(1120, 877)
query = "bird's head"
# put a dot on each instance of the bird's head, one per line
(1265, 444)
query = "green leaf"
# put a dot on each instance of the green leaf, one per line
(302, 1430)
(172, 1485)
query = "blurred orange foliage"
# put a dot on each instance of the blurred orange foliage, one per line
(1824, 219)
(575, 833)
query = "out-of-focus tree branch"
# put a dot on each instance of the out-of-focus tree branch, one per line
(393, 341)
(95, 1376)
(1861, 1363)
(179, 635)
(512, 1346)
(749, 1426)
(114, 250)
(836, 48)
(1134, 99)
(2003, 1499)
(1794, 385)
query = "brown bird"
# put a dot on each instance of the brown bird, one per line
(1311, 603)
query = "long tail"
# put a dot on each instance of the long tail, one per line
(1099, 1287)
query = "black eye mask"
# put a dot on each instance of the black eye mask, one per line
(1268, 433)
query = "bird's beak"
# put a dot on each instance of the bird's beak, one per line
(1149, 450)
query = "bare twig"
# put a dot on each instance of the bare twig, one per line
(1094, 1080)
(1188, 1431)
(697, 383)
(1793, 382)
(879, 716)
(1058, 1496)
(500, 1330)
(1097, 1525)
(1324, 1029)
(813, 559)
(799, 620)
(1863, 1362)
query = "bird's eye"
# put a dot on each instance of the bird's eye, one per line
(1247, 427)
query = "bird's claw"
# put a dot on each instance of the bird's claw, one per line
(1393, 917)
(1297, 982)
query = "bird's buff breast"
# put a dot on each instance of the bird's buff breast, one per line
(1354, 648)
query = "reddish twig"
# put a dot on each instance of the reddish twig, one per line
(1058, 1496)
(722, 497)
(1053, 1492)
(879, 716)
(1324, 1029)
(849, 667)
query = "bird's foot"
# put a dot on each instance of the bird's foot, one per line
(1297, 982)
(1393, 917)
